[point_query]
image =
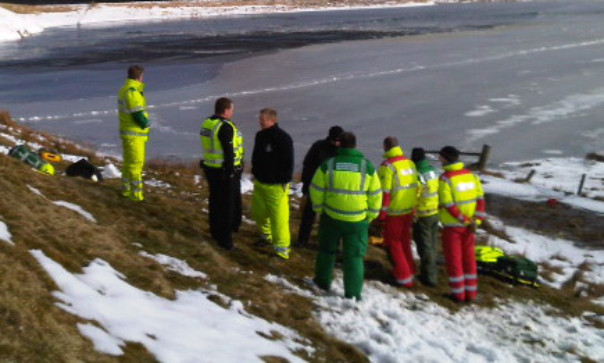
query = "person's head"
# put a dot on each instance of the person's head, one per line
(224, 107)
(267, 118)
(136, 72)
(390, 142)
(334, 135)
(348, 140)
(418, 154)
(448, 155)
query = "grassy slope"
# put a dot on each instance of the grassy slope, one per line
(171, 222)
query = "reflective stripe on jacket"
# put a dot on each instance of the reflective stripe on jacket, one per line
(427, 193)
(347, 187)
(460, 194)
(213, 154)
(129, 101)
(398, 176)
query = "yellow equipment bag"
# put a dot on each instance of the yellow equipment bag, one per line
(50, 156)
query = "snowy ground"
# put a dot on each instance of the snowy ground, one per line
(16, 26)
(389, 325)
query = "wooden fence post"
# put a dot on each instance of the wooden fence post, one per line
(484, 156)
(581, 184)
(529, 176)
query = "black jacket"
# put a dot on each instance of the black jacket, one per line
(320, 151)
(273, 156)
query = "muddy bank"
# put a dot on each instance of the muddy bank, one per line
(556, 221)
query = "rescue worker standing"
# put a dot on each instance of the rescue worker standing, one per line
(222, 164)
(425, 228)
(320, 151)
(461, 210)
(272, 167)
(134, 132)
(398, 177)
(346, 191)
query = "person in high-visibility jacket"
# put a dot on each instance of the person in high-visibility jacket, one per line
(461, 210)
(346, 191)
(134, 132)
(398, 177)
(425, 227)
(222, 164)
(272, 168)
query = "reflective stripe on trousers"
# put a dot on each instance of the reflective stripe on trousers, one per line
(132, 170)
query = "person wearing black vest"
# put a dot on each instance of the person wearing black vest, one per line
(222, 164)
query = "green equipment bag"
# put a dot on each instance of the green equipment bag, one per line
(520, 269)
(29, 157)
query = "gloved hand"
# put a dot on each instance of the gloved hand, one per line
(475, 224)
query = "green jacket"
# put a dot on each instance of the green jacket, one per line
(347, 187)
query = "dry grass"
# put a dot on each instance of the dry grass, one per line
(171, 222)
(291, 3)
(36, 9)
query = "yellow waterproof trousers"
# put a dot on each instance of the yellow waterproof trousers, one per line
(132, 171)
(270, 210)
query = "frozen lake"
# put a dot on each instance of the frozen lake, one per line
(525, 78)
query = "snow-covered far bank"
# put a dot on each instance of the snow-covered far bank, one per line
(552, 178)
(15, 26)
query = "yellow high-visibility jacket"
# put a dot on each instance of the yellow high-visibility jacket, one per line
(460, 195)
(132, 110)
(427, 194)
(399, 183)
(347, 188)
(213, 153)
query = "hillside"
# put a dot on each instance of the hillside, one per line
(172, 222)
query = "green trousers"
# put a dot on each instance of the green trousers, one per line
(132, 171)
(355, 236)
(270, 210)
(425, 235)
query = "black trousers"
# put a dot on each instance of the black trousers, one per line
(225, 205)
(306, 223)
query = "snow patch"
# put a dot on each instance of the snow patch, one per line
(174, 264)
(184, 329)
(5, 234)
(76, 208)
(394, 326)
(111, 171)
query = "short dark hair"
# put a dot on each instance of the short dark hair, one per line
(334, 133)
(271, 113)
(418, 154)
(348, 140)
(135, 71)
(449, 153)
(390, 142)
(222, 104)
